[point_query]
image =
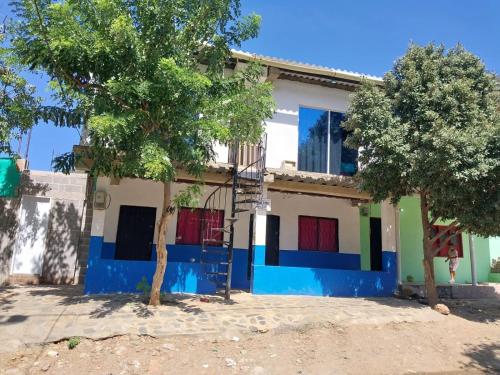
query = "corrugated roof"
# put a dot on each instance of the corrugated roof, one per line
(304, 67)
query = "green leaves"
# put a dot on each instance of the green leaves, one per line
(149, 78)
(433, 127)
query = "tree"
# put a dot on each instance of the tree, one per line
(433, 129)
(19, 104)
(153, 72)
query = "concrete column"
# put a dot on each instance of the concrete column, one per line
(472, 252)
(259, 237)
(390, 240)
(98, 222)
(389, 235)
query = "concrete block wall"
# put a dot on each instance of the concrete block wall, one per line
(65, 231)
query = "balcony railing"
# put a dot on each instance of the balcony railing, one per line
(246, 155)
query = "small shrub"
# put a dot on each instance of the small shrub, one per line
(73, 342)
(144, 286)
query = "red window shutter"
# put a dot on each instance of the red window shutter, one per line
(188, 226)
(456, 241)
(214, 220)
(308, 233)
(327, 235)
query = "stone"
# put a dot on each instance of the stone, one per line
(441, 308)
(168, 346)
(45, 366)
(135, 363)
(230, 362)
(235, 339)
(52, 353)
(120, 350)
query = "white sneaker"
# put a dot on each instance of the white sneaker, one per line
(452, 281)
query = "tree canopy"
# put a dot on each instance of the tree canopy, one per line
(150, 80)
(19, 105)
(433, 128)
(151, 74)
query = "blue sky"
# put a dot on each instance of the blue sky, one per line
(359, 35)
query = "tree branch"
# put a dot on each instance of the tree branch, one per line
(78, 83)
(433, 221)
(443, 231)
(443, 245)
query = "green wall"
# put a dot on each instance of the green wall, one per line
(412, 250)
(364, 228)
(9, 177)
(494, 248)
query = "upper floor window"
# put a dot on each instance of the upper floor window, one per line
(321, 143)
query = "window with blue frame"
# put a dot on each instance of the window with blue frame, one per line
(321, 143)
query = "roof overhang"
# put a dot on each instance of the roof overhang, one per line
(320, 74)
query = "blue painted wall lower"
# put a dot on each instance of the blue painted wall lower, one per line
(326, 282)
(183, 274)
(320, 259)
(299, 272)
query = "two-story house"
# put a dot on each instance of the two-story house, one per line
(300, 224)
(290, 221)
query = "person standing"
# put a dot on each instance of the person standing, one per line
(453, 265)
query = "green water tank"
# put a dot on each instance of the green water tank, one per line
(9, 178)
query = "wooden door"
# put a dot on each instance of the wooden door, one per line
(134, 238)
(273, 240)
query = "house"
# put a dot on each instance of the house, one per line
(299, 224)
(289, 221)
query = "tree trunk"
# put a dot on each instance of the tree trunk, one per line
(428, 262)
(161, 247)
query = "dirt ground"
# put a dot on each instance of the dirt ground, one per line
(466, 342)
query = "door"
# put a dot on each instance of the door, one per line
(273, 240)
(31, 236)
(136, 228)
(376, 244)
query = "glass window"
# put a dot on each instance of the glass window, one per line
(322, 143)
(313, 140)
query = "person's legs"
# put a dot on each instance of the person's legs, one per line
(452, 275)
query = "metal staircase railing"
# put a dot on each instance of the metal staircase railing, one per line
(217, 239)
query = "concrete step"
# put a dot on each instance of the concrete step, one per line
(459, 291)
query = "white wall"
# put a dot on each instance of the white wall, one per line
(282, 129)
(288, 206)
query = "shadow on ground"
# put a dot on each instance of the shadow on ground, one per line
(484, 357)
(70, 295)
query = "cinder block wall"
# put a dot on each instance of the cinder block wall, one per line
(66, 244)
